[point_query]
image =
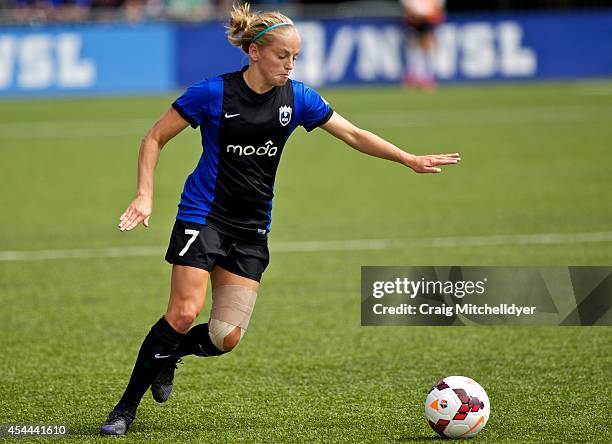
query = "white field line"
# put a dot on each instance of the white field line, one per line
(494, 116)
(594, 89)
(75, 128)
(466, 117)
(322, 246)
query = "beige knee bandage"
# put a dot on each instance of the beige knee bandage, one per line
(232, 306)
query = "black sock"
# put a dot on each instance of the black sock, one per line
(198, 342)
(156, 349)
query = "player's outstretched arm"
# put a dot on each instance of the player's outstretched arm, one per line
(370, 143)
(168, 126)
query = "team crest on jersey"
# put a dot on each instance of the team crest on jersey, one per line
(284, 114)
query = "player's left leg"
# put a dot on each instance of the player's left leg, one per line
(235, 282)
(231, 314)
(233, 299)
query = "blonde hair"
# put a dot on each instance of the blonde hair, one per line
(245, 25)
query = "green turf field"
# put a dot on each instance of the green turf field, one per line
(533, 189)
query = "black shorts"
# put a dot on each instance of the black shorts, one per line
(202, 246)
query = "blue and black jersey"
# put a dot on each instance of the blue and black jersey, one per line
(243, 135)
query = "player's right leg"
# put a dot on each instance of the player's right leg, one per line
(187, 297)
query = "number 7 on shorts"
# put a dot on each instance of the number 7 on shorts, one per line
(194, 234)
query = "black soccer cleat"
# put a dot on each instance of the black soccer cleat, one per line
(161, 389)
(117, 423)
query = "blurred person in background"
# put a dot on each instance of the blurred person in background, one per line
(421, 18)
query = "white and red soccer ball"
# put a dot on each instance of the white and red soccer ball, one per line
(457, 407)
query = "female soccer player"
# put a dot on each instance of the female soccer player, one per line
(223, 220)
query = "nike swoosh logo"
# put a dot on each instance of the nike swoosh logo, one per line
(158, 356)
(229, 116)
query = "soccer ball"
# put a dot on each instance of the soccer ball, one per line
(457, 407)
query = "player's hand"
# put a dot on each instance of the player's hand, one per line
(138, 211)
(431, 162)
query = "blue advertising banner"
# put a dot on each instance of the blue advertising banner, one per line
(157, 58)
(525, 46)
(105, 59)
(203, 51)
(470, 48)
